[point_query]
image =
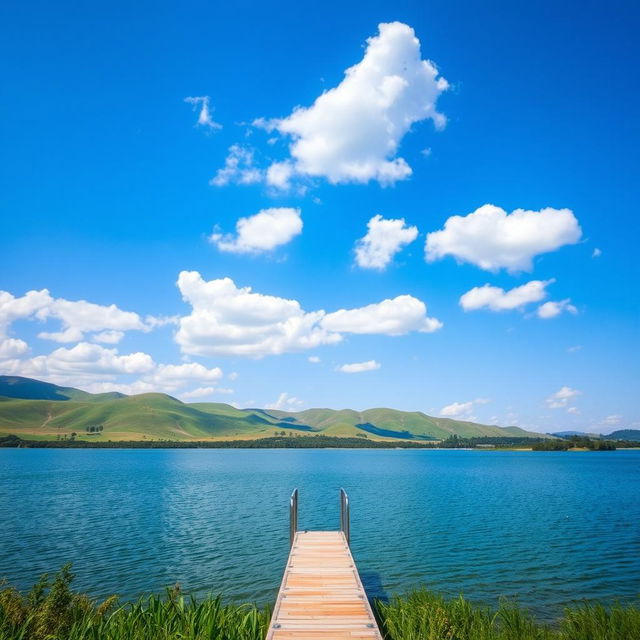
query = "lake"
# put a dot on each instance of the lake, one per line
(549, 528)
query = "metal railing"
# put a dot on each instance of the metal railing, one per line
(293, 516)
(345, 523)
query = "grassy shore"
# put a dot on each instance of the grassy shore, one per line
(53, 611)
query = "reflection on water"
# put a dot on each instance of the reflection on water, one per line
(549, 528)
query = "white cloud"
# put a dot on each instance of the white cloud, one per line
(492, 239)
(285, 402)
(497, 299)
(552, 309)
(168, 374)
(393, 317)
(15, 308)
(109, 337)
(313, 359)
(463, 410)
(456, 409)
(612, 420)
(574, 411)
(359, 367)
(596, 253)
(82, 360)
(353, 131)
(574, 348)
(77, 317)
(279, 175)
(203, 392)
(239, 168)
(384, 238)
(205, 118)
(560, 399)
(229, 320)
(13, 348)
(96, 368)
(264, 231)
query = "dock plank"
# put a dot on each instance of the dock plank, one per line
(321, 596)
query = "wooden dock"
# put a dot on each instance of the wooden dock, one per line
(321, 596)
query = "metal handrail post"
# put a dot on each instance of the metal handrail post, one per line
(345, 520)
(293, 517)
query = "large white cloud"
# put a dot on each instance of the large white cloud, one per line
(96, 368)
(359, 367)
(497, 299)
(352, 132)
(384, 238)
(392, 317)
(264, 231)
(230, 320)
(492, 239)
(82, 360)
(77, 317)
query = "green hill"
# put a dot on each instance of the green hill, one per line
(625, 434)
(40, 410)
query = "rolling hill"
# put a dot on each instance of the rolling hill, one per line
(40, 410)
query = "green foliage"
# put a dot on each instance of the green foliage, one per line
(551, 445)
(423, 615)
(52, 611)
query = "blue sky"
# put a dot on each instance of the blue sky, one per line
(109, 193)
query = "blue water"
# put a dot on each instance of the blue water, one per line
(549, 528)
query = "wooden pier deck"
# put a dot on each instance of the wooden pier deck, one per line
(321, 596)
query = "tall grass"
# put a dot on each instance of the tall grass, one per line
(423, 615)
(52, 611)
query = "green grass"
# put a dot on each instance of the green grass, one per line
(423, 615)
(53, 611)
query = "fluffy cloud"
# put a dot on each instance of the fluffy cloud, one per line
(560, 399)
(359, 367)
(239, 168)
(97, 369)
(552, 309)
(392, 317)
(596, 253)
(205, 118)
(352, 132)
(230, 320)
(13, 348)
(462, 410)
(497, 299)
(203, 392)
(82, 360)
(77, 317)
(264, 231)
(313, 359)
(492, 239)
(384, 238)
(612, 420)
(14, 308)
(285, 402)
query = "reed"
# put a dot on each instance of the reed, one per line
(53, 611)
